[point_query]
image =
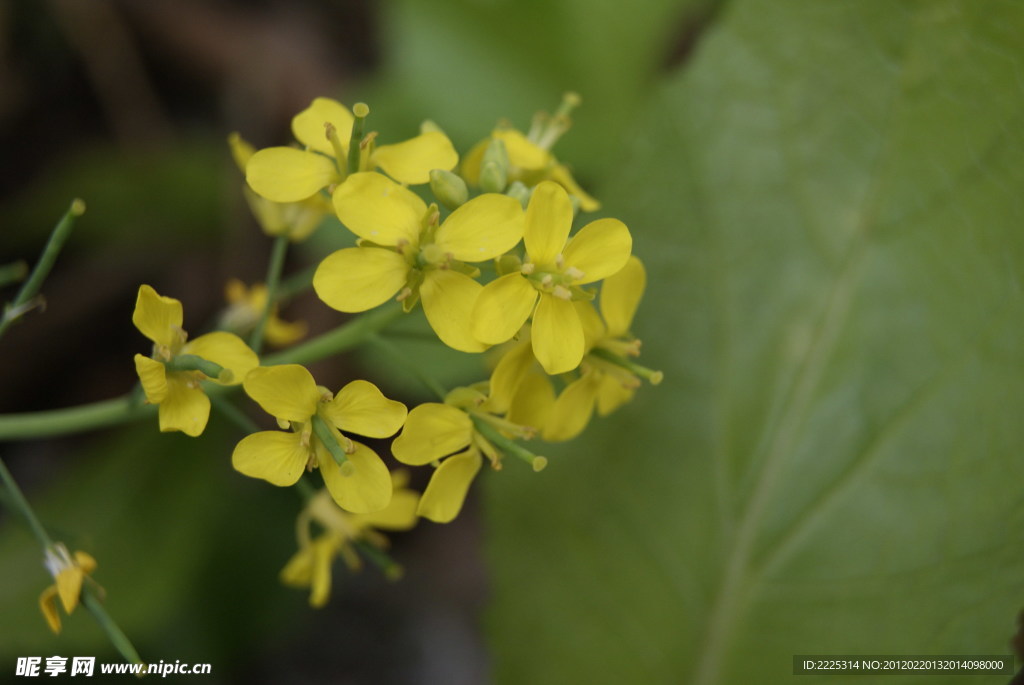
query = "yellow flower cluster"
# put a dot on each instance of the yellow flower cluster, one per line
(487, 248)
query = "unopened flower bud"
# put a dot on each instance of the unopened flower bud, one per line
(449, 189)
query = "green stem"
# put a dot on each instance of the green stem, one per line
(18, 503)
(652, 376)
(110, 627)
(330, 443)
(274, 269)
(53, 246)
(506, 445)
(380, 559)
(72, 419)
(360, 111)
(233, 414)
(342, 338)
(296, 283)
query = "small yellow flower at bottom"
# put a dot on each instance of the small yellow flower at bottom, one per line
(69, 572)
(171, 377)
(311, 565)
(245, 309)
(354, 474)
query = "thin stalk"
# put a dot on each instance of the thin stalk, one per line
(274, 269)
(342, 338)
(117, 637)
(16, 499)
(58, 237)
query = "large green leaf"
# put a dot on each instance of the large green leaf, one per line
(829, 202)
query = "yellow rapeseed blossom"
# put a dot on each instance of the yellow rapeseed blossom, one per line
(354, 474)
(287, 174)
(245, 309)
(297, 220)
(404, 250)
(550, 279)
(339, 532)
(69, 572)
(454, 432)
(529, 155)
(172, 376)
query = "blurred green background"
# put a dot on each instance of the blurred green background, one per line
(828, 199)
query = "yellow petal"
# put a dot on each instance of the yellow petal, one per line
(432, 431)
(411, 161)
(308, 125)
(324, 551)
(48, 605)
(241, 150)
(85, 561)
(561, 175)
(286, 391)
(400, 514)
(612, 394)
(69, 587)
(443, 498)
(600, 249)
(557, 335)
(359, 278)
(153, 376)
(531, 405)
(282, 333)
(471, 161)
(620, 296)
(185, 408)
(361, 408)
(157, 317)
(448, 298)
(298, 572)
(572, 410)
(226, 350)
(284, 174)
(548, 220)
(593, 327)
(275, 456)
(502, 308)
(508, 374)
(484, 228)
(522, 153)
(366, 489)
(376, 208)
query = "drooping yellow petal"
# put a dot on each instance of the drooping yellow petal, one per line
(612, 394)
(366, 489)
(275, 456)
(502, 308)
(284, 174)
(522, 152)
(287, 391)
(241, 150)
(432, 431)
(157, 317)
(561, 175)
(593, 327)
(620, 296)
(400, 514)
(448, 298)
(600, 249)
(298, 572)
(325, 548)
(186, 408)
(508, 374)
(282, 333)
(361, 408)
(376, 208)
(572, 410)
(153, 376)
(557, 335)
(548, 220)
(69, 587)
(484, 228)
(227, 350)
(84, 561)
(443, 498)
(531, 405)
(411, 161)
(48, 605)
(359, 278)
(308, 126)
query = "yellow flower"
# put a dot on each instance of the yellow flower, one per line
(455, 433)
(246, 309)
(297, 220)
(530, 158)
(607, 378)
(354, 474)
(550, 280)
(404, 249)
(69, 572)
(285, 174)
(172, 376)
(341, 531)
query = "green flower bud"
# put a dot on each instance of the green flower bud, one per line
(449, 189)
